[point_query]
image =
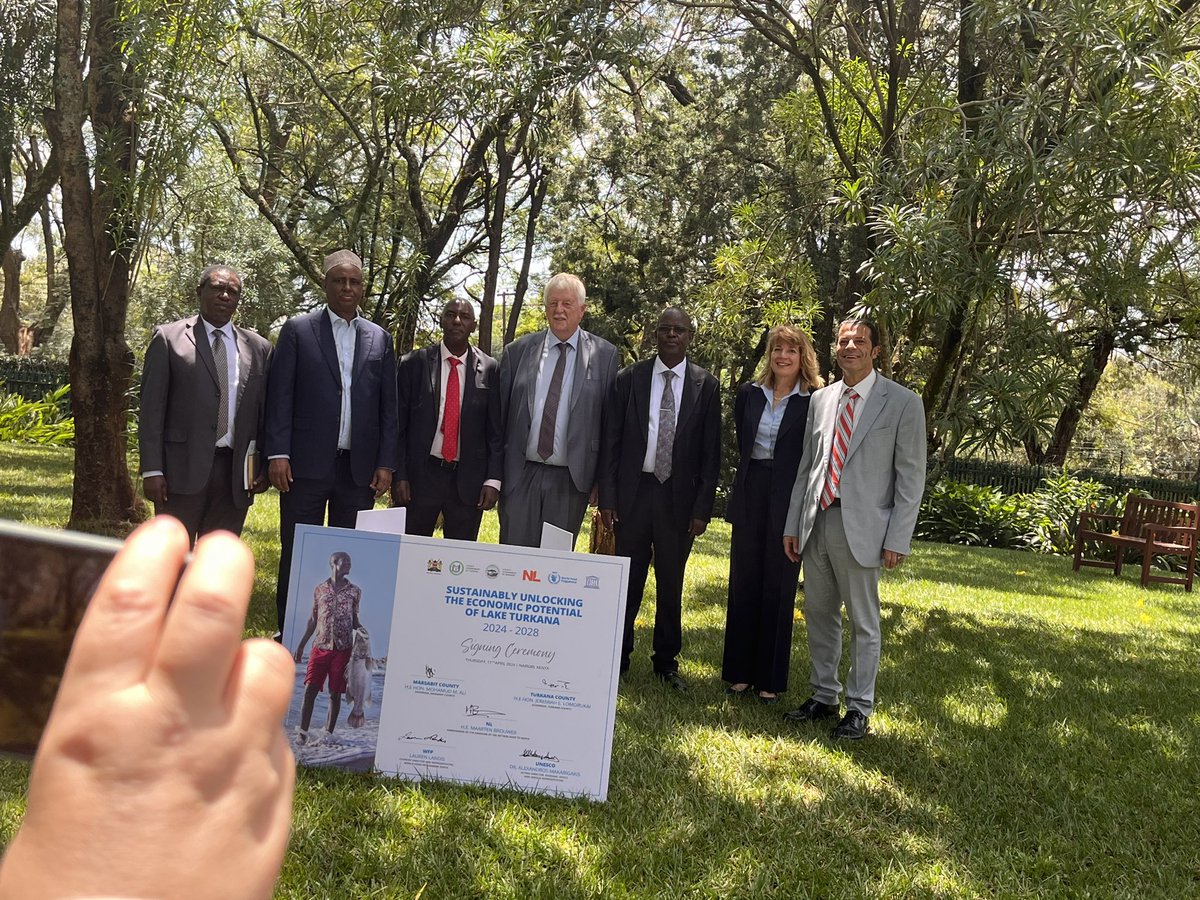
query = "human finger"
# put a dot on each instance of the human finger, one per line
(204, 626)
(119, 634)
(259, 690)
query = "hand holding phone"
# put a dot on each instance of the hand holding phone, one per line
(163, 770)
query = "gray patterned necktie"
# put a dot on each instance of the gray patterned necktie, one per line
(550, 410)
(666, 430)
(222, 364)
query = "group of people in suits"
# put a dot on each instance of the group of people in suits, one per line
(549, 429)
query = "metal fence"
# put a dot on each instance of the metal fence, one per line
(1015, 479)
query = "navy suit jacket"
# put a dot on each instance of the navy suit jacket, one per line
(480, 436)
(748, 408)
(695, 456)
(304, 399)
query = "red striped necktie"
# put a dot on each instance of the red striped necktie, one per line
(841, 445)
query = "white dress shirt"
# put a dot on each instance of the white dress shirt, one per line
(345, 338)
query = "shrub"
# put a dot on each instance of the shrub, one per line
(36, 421)
(1045, 520)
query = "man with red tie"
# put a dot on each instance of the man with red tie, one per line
(451, 440)
(853, 509)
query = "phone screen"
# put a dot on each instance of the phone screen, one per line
(47, 578)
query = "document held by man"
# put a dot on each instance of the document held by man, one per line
(503, 667)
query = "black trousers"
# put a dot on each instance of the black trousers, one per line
(652, 532)
(762, 594)
(435, 493)
(211, 509)
(306, 504)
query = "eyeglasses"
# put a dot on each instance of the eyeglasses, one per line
(218, 288)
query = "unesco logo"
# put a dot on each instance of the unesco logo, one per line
(456, 568)
(492, 571)
(591, 582)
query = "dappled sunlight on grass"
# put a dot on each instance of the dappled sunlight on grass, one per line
(1037, 733)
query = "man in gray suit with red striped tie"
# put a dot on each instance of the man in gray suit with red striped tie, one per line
(853, 509)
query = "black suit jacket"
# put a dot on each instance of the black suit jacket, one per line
(748, 408)
(480, 435)
(695, 458)
(304, 399)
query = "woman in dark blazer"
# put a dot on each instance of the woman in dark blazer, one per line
(769, 415)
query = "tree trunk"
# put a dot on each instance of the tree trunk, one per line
(495, 239)
(10, 306)
(98, 240)
(56, 296)
(1085, 385)
(535, 210)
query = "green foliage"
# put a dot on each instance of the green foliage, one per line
(1044, 520)
(36, 421)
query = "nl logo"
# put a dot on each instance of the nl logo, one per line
(529, 575)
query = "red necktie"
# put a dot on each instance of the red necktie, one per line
(837, 454)
(451, 413)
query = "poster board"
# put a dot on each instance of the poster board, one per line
(498, 665)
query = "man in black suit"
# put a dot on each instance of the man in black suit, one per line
(331, 413)
(451, 442)
(203, 386)
(660, 462)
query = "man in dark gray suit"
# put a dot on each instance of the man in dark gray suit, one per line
(661, 461)
(853, 509)
(451, 442)
(203, 386)
(553, 388)
(331, 413)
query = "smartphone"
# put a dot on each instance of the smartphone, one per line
(47, 578)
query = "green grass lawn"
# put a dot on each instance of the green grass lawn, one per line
(1037, 734)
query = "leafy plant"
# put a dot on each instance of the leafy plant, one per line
(37, 421)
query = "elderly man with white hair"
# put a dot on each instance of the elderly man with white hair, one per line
(553, 388)
(331, 421)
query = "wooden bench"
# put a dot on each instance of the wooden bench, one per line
(1152, 528)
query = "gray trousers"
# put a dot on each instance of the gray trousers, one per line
(541, 494)
(833, 579)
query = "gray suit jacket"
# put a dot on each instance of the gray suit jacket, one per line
(178, 418)
(595, 371)
(882, 479)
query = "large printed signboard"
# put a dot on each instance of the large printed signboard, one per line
(503, 666)
(488, 664)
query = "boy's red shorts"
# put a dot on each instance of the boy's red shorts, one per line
(328, 662)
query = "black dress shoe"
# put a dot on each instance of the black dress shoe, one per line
(853, 727)
(735, 692)
(674, 681)
(811, 710)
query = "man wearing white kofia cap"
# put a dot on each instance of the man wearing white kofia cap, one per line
(331, 413)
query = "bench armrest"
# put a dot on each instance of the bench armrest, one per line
(1088, 516)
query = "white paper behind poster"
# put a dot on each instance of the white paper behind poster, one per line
(555, 538)
(503, 667)
(387, 521)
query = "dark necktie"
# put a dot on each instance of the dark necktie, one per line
(666, 430)
(451, 413)
(222, 364)
(550, 410)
